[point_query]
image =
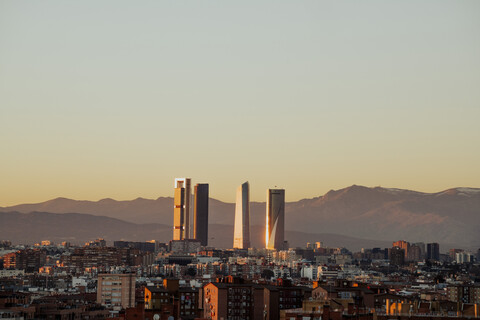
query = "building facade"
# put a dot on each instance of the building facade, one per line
(397, 256)
(402, 244)
(433, 251)
(464, 294)
(275, 219)
(29, 260)
(233, 301)
(181, 210)
(172, 300)
(116, 290)
(248, 301)
(241, 234)
(200, 212)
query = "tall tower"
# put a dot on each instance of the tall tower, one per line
(241, 234)
(402, 244)
(275, 224)
(433, 251)
(181, 210)
(200, 213)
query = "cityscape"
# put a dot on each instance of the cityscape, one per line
(187, 278)
(239, 160)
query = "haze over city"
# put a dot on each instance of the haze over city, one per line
(115, 99)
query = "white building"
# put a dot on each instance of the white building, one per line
(241, 233)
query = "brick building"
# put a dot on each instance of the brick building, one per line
(173, 300)
(233, 299)
(464, 294)
(29, 260)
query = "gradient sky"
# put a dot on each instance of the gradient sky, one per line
(117, 98)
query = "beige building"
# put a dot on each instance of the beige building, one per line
(181, 210)
(116, 290)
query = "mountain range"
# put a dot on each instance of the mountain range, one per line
(356, 214)
(79, 227)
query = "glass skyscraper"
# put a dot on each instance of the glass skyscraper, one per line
(275, 220)
(200, 213)
(241, 234)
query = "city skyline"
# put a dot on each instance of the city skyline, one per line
(372, 213)
(95, 96)
(358, 118)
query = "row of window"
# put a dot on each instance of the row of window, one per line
(111, 283)
(236, 311)
(238, 304)
(113, 294)
(289, 293)
(290, 299)
(233, 297)
(238, 290)
(111, 289)
(238, 317)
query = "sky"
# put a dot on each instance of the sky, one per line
(114, 99)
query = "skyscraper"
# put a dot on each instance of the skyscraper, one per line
(181, 210)
(241, 234)
(402, 244)
(275, 224)
(200, 213)
(433, 251)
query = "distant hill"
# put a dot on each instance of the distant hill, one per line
(450, 216)
(77, 228)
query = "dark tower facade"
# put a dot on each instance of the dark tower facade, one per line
(275, 222)
(433, 251)
(200, 212)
